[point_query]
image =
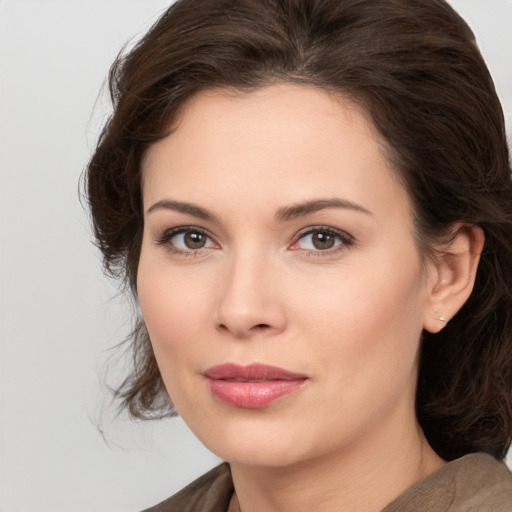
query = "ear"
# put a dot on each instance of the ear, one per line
(452, 276)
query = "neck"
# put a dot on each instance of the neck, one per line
(364, 477)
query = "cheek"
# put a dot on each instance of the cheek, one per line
(174, 311)
(373, 293)
(173, 307)
(369, 325)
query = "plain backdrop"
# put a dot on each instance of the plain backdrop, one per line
(61, 447)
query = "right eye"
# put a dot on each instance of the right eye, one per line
(187, 240)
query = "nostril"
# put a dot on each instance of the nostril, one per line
(243, 332)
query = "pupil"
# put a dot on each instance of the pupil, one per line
(195, 240)
(323, 241)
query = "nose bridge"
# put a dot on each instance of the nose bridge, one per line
(249, 301)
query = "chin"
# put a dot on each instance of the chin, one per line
(255, 443)
(256, 455)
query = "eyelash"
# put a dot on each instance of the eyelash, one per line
(345, 241)
(165, 240)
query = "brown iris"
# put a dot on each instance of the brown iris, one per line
(323, 240)
(194, 240)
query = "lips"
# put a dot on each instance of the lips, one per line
(253, 386)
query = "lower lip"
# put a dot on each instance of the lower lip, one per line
(252, 395)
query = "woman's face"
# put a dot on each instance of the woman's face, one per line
(276, 235)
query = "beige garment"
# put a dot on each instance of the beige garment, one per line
(474, 483)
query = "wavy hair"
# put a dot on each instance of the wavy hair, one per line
(414, 66)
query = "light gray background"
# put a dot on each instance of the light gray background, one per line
(57, 317)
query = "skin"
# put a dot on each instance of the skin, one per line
(350, 317)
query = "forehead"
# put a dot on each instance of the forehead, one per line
(280, 144)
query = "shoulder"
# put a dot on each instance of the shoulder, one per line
(473, 483)
(209, 493)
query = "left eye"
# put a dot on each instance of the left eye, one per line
(186, 240)
(321, 240)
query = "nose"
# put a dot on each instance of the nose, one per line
(250, 299)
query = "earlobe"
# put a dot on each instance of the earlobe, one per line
(453, 276)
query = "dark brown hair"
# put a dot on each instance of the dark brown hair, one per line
(413, 65)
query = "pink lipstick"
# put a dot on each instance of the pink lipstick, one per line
(253, 386)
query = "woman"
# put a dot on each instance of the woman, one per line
(311, 201)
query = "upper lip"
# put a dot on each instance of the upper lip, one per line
(251, 373)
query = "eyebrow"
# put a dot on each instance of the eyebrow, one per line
(284, 214)
(178, 206)
(308, 207)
